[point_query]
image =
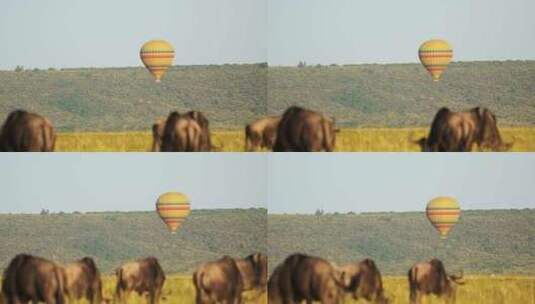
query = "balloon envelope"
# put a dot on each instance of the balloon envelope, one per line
(173, 208)
(443, 213)
(435, 56)
(157, 56)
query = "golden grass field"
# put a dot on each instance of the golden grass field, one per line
(476, 290)
(348, 140)
(177, 289)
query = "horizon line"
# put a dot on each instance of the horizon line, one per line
(52, 212)
(336, 213)
(311, 65)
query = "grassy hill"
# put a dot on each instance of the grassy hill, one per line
(116, 237)
(370, 95)
(495, 241)
(395, 95)
(128, 99)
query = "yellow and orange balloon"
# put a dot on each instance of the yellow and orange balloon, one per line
(435, 56)
(173, 208)
(157, 56)
(443, 212)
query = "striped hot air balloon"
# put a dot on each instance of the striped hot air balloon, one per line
(443, 213)
(157, 56)
(435, 56)
(173, 208)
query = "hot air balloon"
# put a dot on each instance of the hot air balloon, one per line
(435, 56)
(443, 213)
(173, 208)
(157, 56)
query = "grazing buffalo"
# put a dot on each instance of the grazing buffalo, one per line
(218, 282)
(459, 131)
(157, 134)
(305, 278)
(253, 270)
(302, 130)
(363, 280)
(181, 134)
(431, 278)
(82, 280)
(189, 132)
(27, 132)
(142, 276)
(206, 142)
(261, 133)
(30, 278)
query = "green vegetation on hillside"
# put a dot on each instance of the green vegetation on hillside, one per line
(116, 237)
(403, 95)
(128, 99)
(369, 95)
(494, 241)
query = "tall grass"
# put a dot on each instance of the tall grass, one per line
(476, 290)
(177, 289)
(348, 140)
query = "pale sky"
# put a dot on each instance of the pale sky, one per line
(102, 33)
(128, 181)
(283, 183)
(303, 183)
(383, 31)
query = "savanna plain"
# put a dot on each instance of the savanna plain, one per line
(478, 290)
(379, 107)
(494, 248)
(347, 140)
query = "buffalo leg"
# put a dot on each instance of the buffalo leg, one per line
(158, 295)
(202, 298)
(415, 298)
(124, 296)
(450, 299)
(152, 297)
(235, 299)
(118, 294)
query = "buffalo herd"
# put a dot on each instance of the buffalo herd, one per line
(225, 280)
(27, 132)
(297, 130)
(460, 131)
(34, 279)
(298, 278)
(307, 278)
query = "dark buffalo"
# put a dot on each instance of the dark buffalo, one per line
(206, 142)
(363, 280)
(459, 131)
(30, 278)
(142, 276)
(253, 270)
(431, 278)
(218, 282)
(181, 134)
(302, 130)
(305, 278)
(82, 280)
(261, 133)
(157, 134)
(189, 132)
(27, 132)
